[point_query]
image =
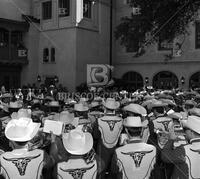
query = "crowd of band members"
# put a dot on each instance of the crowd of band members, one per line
(145, 134)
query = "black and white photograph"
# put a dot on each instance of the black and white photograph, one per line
(99, 89)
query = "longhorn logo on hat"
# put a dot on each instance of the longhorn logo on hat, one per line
(77, 173)
(137, 156)
(111, 123)
(21, 163)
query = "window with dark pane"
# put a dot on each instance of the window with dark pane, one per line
(3, 37)
(16, 38)
(64, 8)
(46, 10)
(197, 35)
(53, 55)
(87, 8)
(45, 55)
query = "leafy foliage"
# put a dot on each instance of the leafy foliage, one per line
(165, 19)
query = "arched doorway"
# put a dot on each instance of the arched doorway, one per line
(195, 80)
(165, 80)
(132, 81)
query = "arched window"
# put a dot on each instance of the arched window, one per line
(165, 80)
(53, 55)
(46, 55)
(132, 81)
(195, 80)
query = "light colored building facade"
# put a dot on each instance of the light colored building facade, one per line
(63, 42)
(73, 44)
(153, 67)
(59, 42)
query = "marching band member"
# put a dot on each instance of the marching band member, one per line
(81, 161)
(136, 159)
(19, 95)
(81, 112)
(22, 162)
(186, 157)
(138, 110)
(159, 123)
(108, 130)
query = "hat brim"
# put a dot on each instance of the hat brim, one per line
(79, 151)
(52, 106)
(143, 124)
(139, 111)
(82, 109)
(185, 124)
(175, 116)
(33, 128)
(158, 105)
(49, 98)
(111, 107)
(15, 107)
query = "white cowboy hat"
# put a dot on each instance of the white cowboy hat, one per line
(83, 99)
(136, 108)
(77, 142)
(7, 95)
(168, 101)
(53, 104)
(190, 102)
(192, 123)
(80, 107)
(70, 101)
(26, 113)
(98, 99)
(15, 105)
(36, 101)
(21, 130)
(156, 103)
(110, 103)
(66, 117)
(194, 112)
(133, 121)
(175, 115)
(94, 104)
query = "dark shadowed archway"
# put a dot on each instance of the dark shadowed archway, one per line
(165, 80)
(194, 81)
(132, 81)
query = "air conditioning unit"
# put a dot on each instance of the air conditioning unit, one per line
(22, 53)
(62, 11)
